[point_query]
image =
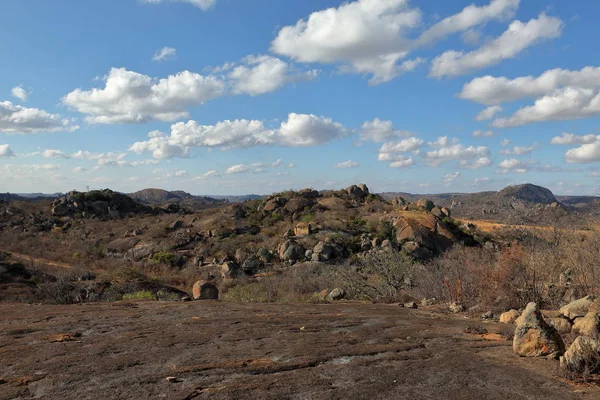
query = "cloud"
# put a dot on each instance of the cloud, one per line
(453, 151)
(16, 119)
(130, 97)
(497, 90)
(380, 131)
(477, 182)
(482, 134)
(237, 169)
(515, 166)
(176, 173)
(372, 36)
(204, 5)
(20, 93)
(165, 53)
(364, 35)
(450, 177)
(586, 153)
(402, 146)
(277, 163)
(519, 150)
(347, 164)
(488, 113)
(468, 18)
(505, 142)
(563, 104)
(5, 151)
(569, 138)
(477, 163)
(263, 74)
(518, 37)
(402, 162)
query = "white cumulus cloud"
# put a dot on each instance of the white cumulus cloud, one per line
(165, 53)
(488, 113)
(571, 139)
(5, 151)
(20, 93)
(380, 131)
(15, 119)
(347, 164)
(518, 37)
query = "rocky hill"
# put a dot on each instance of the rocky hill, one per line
(160, 197)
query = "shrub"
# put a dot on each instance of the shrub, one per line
(163, 257)
(141, 295)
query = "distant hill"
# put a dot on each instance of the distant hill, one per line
(239, 199)
(160, 197)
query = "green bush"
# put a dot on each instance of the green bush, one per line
(141, 295)
(163, 257)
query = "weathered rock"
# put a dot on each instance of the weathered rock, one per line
(376, 242)
(204, 290)
(241, 255)
(534, 337)
(456, 308)
(411, 304)
(446, 211)
(290, 250)
(298, 204)
(274, 203)
(363, 187)
(302, 229)
(427, 302)
(561, 324)
(309, 193)
(386, 244)
(509, 317)
(252, 265)
(336, 294)
(425, 204)
(578, 308)
(582, 356)
(323, 252)
(173, 226)
(356, 193)
(436, 211)
(588, 325)
(229, 269)
(487, 315)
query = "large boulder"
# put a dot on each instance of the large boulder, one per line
(298, 204)
(274, 203)
(302, 229)
(425, 204)
(252, 265)
(309, 193)
(509, 317)
(336, 294)
(356, 192)
(578, 308)
(582, 356)
(290, 250)
(534, 337)
(229, 270)
(588, 325)
(561, 324)
(204, 290)
(326, 252)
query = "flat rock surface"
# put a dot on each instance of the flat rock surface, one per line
(217, 350)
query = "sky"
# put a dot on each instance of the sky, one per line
(259, 96)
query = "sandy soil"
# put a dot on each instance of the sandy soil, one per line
(214, 350)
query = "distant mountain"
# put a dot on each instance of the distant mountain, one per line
(239, 199)
(158, 197)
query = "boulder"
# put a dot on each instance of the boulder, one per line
(425, 204)
(252, 265)
(336, 294)
(427, 302)
(411, 304)
(446, 211)
(204, 290)
(534, 337)
(437, 212)
(456, 307)
(302, 229)
(173, 226)
(376, 242)
(298, 204)
(364, 188)
(509, 317)
(229, 269)
(588, 326)
(291, 251)
(309, 193)
(274, 203)
(578, 308)
(356, 193)
(323, 252)
(582, 356)
(561, 324)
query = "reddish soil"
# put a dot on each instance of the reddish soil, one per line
(217, 350)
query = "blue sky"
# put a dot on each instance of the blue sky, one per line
(257, 96)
